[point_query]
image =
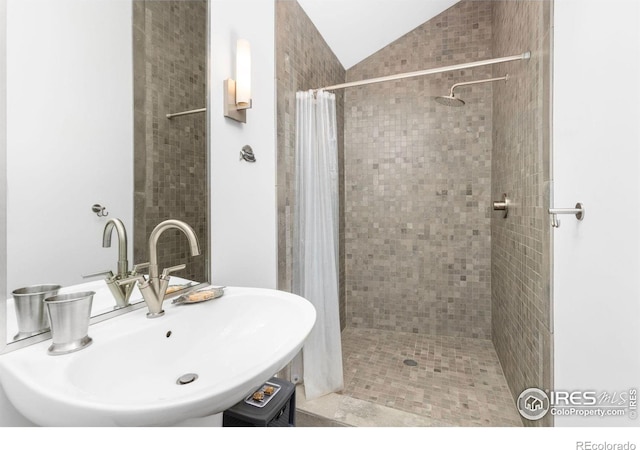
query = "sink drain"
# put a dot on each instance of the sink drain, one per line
(410, 362)
(187, 378)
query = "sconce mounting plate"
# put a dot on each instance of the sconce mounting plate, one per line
(230, 108)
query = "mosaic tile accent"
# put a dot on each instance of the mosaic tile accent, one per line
(170, 157)
(456, 382)
(418, 183)
(303, 61)
(521, 244)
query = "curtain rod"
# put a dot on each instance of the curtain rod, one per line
(401, 76)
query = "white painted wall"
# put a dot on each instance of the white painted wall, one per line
(596, 161)
(356, 29)
(70, 136)
(3, 170)
(243, 195)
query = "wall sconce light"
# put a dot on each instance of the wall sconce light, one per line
(237, 93)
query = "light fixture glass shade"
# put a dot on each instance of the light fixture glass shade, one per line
(243, 74)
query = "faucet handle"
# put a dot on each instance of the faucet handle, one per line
(137, 267)
(108, 273)
(140, 278)
(168, 270)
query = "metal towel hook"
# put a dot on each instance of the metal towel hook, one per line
(578, 211)
(247, 154)
(99, 210)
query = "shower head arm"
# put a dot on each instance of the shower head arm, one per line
(466, 83)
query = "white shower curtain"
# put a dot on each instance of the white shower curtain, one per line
(315, 243)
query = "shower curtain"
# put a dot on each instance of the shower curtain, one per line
(315, 242)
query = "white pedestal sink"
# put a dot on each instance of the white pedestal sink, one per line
(128, 377)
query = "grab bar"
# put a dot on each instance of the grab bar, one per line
(578, 211)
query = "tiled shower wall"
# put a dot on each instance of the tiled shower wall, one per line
(422, 253)
(170, 68)
(303, 61)
(521, 249)
(418, 183)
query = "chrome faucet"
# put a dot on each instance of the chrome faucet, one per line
(123, 263)
(120, 292)
(153, 290)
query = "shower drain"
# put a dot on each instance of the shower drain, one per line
(410, 362)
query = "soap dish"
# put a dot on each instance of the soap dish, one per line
(199, 296)
(262, 396)
(178, 287)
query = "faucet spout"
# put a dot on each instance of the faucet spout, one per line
(194, 245)
(154, 289)
(123, 263)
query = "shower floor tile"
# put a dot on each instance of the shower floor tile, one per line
(456, 381)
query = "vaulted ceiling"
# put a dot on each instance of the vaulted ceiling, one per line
(355, 29)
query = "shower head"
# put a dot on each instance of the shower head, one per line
(450, 100)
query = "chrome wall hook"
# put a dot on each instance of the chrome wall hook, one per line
(578, 211)
(99, 210)
(247, 154)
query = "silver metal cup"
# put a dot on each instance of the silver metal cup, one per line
(29, 308)
(69, 316)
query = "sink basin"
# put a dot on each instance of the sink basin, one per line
(128, 377)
